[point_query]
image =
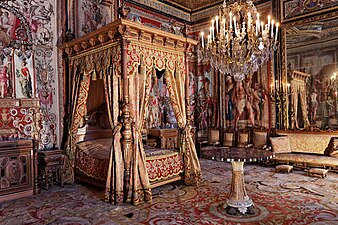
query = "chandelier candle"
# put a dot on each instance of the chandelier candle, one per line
(239, 41)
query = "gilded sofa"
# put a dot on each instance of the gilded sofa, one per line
(306, 149)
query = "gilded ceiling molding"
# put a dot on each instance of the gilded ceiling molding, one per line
(320, 17)
(321, 47)
(205, 13)
(162, 7)
(300, 11)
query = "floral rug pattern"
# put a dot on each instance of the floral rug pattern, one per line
(279, 198)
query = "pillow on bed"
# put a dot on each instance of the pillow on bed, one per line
(104, 121)
(280, 144)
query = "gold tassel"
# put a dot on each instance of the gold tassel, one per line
(154, 71)
(111, 70)
(143, 67)
(166, 73)
(142, 70)
(94, 75)
(101, 74)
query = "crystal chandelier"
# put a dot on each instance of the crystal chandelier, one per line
(239, 42)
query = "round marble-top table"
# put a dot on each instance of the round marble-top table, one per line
(238, 201)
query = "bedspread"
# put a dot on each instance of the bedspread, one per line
(92, 159)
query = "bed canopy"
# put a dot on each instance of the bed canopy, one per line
(125, 55)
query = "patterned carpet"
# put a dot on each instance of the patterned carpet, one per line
(279, 198)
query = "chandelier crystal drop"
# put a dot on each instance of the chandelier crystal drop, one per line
(238, 42)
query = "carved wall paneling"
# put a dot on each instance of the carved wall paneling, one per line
(18, 169)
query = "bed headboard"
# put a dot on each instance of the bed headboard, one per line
(96, 126)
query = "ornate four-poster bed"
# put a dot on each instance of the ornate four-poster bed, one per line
(115, 64)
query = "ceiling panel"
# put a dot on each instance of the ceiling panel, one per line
(192, 5)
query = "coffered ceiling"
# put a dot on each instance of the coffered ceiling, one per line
(322, 31)
(192, 5)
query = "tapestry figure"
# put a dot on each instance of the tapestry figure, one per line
(229, 89)
(313, 105)
(25, 80)
(3, 82)
(258, 100)
(241, 103)
(6, 22)
(94, 18)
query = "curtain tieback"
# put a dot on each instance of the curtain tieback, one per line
(186, 129)
(116, 129)
(184, 134)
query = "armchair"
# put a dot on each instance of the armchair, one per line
(211, 141)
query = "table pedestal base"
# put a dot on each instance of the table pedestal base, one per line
(238, 200)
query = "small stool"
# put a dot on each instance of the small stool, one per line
(284, 168)
(317, 172)
(50, 168)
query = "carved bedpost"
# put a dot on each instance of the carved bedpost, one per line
(126, 131)
(126, 142)
(187, 94)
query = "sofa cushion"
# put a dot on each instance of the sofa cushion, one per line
(310, 160)
(307, 142)
(334, 154)
(280, 144)
(332, 148)
(260, 139)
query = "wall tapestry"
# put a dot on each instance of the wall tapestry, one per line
(93, 14)
(205, 102)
